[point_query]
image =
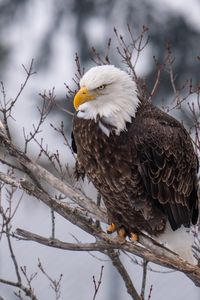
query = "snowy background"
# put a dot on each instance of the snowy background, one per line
(51, 32)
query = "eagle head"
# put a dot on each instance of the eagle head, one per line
(108, 93)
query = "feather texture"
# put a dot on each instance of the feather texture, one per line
(139, 158)
(147, 174)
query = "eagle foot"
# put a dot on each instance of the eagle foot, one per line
(122, 233)
(134, 237)
(111, 228)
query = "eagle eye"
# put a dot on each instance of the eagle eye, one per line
(101, 87)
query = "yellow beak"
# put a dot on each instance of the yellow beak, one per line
(82, 96)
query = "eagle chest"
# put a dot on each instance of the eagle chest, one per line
(107, 160)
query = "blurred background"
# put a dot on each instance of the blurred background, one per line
(51, 32)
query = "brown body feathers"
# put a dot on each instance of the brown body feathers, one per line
(147, 174)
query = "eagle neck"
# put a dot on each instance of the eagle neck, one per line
(111, 115)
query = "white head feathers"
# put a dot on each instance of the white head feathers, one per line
(116, 99)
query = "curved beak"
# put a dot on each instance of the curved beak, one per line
(82, 96)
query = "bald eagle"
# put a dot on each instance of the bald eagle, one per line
(138, 157)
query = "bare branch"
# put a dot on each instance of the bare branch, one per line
(159, 255)
(150, 292)
(53, 224)
(44, 175)
(54, 284)
(7, 106)
(114, 256)
(43, 112)
(97, 284)
(12, 254)
(156, 84)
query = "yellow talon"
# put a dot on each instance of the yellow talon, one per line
(111, 228)
(134, 237)
(122, 234)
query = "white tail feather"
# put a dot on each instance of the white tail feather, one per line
(179, 241)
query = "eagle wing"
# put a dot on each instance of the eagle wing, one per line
(168, 166)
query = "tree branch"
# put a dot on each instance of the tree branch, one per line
(43, 175)
(28, 292)
(114, 256)
(160, 256)
(97, 284)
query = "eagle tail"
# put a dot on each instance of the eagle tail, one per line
(179, 241)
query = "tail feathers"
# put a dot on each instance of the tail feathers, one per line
(179, 241)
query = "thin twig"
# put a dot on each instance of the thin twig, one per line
(52, 224)
(12, 254)
(150, 292)
(54, 284)
(97, 284)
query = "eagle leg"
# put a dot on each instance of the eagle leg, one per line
(134, 237)
(111, 228)
(122, 234)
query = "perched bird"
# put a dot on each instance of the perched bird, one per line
(138, 157)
